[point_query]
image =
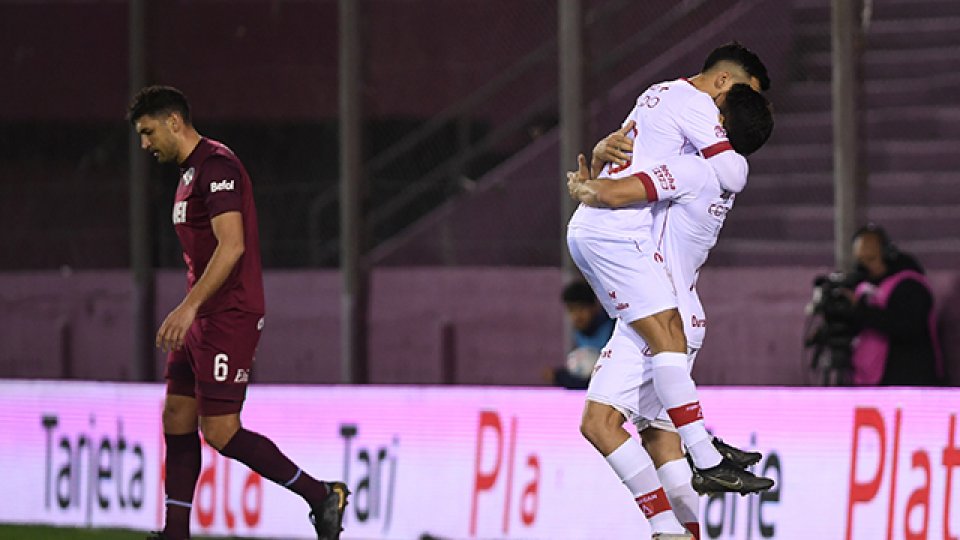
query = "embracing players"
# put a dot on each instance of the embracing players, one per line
(618, 254)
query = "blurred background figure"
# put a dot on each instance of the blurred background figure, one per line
(895, 313)
(879, 321)
(591, 331)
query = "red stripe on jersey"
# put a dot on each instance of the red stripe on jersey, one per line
(653, 503)
(647, 185)
(685, 414)
(715, 149)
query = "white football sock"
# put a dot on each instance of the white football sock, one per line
(678, 394)
(675, 477)
(635, 469)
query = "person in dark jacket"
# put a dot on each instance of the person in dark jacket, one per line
(895, 313)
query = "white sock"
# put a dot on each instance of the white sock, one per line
(678, 394)
(675, 477)
(635, 469)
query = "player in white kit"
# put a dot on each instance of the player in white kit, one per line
(615, 250)
(685, 228)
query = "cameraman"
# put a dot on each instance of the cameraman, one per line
(893, 310)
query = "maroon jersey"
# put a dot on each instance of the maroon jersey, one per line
(213, 181)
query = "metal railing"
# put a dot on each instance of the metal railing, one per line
(445, 178)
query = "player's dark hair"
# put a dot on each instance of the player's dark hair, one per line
(157, 100)
(578, 292)
(742, 56)
(748, 119)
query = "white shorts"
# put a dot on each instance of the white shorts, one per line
(628, 282)
(623, 379)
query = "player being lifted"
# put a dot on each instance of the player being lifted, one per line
(686, 226)
(213, 334)
(616, 252)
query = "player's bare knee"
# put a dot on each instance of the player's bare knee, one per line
(595, 432)
(218, 430)
(586, 424)
(171, 418)
(215, 436)
(585, 430)
(599, 420)
(591, 428)
(179, 415)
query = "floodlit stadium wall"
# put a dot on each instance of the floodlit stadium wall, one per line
(472, 462)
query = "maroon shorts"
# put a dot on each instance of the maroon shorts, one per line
(215, 361)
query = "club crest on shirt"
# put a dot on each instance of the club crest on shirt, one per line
(188, 176)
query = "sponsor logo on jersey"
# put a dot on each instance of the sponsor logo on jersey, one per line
(223, 185)
(697, 322)
(260, 324)
(720, 132)
(179, 212)
(612, 295)
(665, 177)
(718, 210)
(622, 306)
(188, 176)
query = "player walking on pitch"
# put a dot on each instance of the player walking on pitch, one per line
(213, 334)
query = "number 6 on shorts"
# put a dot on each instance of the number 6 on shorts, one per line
(220, 367)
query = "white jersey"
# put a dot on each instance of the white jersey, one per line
(672, 118)
(692, 208)
(686, 224)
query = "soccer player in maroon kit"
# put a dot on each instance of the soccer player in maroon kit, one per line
(213, 334)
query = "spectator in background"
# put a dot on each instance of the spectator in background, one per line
(894, 312)
(592, 329)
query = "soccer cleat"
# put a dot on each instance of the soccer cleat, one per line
(672, 536)
(728, 477)
(741, 458)
(327, 520)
